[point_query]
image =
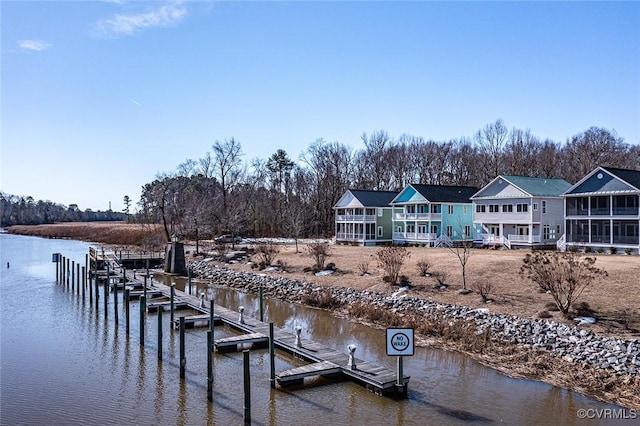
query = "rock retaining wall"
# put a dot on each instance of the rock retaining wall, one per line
(572, 343)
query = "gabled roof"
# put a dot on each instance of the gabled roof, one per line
(607, 180)
(632, 177)
(367, 198)
(528, 186)
(440, 193)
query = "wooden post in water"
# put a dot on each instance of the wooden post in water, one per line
(272, 358)
(247, 388)
(183, 358)
(399, 374)
(189, 278)
(73, 275)
(142, 307)
(67, 273)
(211, 322)
(106, 290)
(171, 298)
(209, 366)
(126, 309)
(84, 281)
(86, 269)
(57, 268)
(124, 281)
(159, 333)
(261, 304)
(78, 277)
(115, 302)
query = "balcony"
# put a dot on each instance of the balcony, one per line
(417, 216)
(526, 239)
(355, 218)
(415, 236)
(350, 236)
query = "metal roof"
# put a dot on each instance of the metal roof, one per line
(446, 193)
(374, 198)
(539, 187)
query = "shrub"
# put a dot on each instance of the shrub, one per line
(563, 275)
(319, 251)
(484, 288)
(440, 277)
(267, 253)
(391, 259)
(423, 267)
(363, 268)
(544, 314)
(613, 250)
(323, 299)
(628, 250)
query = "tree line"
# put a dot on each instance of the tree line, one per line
(24, 210)
(221, 193)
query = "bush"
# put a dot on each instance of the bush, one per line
(628, 250)
(613, 250)
(423, 267)
(319, 251)
(391, 259)
(323, 299)
(484, 288)
(440, 277)
(267, 253)
(563, 275)
(363, 268)
(544, 314)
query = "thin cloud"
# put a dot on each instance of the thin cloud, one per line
(34, 45)
(163, 16)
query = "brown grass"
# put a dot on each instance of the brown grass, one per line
(615, 300)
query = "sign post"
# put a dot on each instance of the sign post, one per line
(400, 343)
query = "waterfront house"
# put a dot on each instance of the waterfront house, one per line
(433, 215)
(364, 217)
(519, 211)
(601, 211)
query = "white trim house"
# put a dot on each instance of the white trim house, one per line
(364, 217)
(602, 211)
(519, 211)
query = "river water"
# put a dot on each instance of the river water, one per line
(66, 361)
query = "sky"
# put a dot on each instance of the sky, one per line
(98, 98)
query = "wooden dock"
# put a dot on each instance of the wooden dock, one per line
(323, 360)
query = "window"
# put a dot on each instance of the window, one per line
(481, 208)
(522, 208)
(434, 229)
(380, 230)
(464, 209)
(449, 231)
(546, 231)
(450, 209)
(544, 207)
(507, 208)
(467, 231)
(494, 208)
(535, 206)
(380, 212)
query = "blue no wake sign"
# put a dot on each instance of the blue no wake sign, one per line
(400, 341)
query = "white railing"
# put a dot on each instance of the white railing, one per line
(417, 216)
(562, 243)
(444, 241)
(495, 239)
(355, 218)
(350, 236)
(414, 236)
(530, 239)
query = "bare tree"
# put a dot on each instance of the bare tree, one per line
(391, 259)
(227, 165)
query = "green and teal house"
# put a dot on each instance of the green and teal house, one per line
(519, 211)
(433, 215)
(364, 217)
(602, 211)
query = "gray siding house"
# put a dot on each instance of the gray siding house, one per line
(519, 211)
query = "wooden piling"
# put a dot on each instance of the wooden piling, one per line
(144, 289)
(183, 358)
(67, 273)
(84, 281)
(272, 357)
(73, 275)
(209, 366)
(126, 310)
(189, 278)
(57, 268)
(124, 281)
(171, 298)
(142, 304)
(261, 304)
(211, 304)
(78, 276)
(115, 302)
(160, 334)
(247, 388)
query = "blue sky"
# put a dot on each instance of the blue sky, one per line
(98, 97)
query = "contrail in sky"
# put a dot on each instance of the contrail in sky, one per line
(133, 101)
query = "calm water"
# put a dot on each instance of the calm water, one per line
(65, 362)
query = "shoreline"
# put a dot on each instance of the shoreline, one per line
(508, 359)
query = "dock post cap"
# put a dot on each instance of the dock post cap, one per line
(202, 299)
(241, 309)
(352, 361)
(298, 341)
